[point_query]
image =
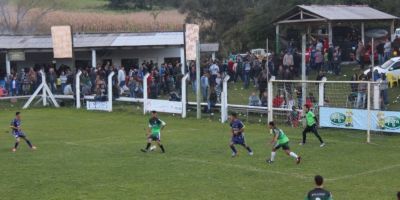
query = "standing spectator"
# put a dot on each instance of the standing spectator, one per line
(214, 70)
(204, 86)
(247, 68)
(360, 51)
(361, 94)
(380, 49)
(212, 99)
(32, 78)
(254, 100)
(14, 86)
(387, 49)
(193, 77)
(319, 193)
(337, 59)
(218, 86)
(63, 78)
(383, 87)
(288, 60)
(319, 59)
(121, 78)
(52, 79)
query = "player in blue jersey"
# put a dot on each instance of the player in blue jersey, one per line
(237, 128)
(17, 132)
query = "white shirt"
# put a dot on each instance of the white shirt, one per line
(121, 75)
(68, 90)
(214, 69)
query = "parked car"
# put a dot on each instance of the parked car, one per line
(392, 66)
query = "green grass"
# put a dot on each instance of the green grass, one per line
(95, 155)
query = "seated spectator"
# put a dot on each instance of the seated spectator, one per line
(278, 101)
(254, 100)
(68, 89)
(319, 192)
(173, 96)
(264, 99)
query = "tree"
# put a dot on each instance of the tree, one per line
(23, 16)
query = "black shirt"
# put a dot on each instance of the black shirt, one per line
(319, 194)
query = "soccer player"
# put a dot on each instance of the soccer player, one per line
(280, 140)
(17, 132)
(398, 195)
(318, 193)
(237, 127)
(311, 126)
(154, 132)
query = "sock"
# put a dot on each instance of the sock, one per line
(233, 149)
(248, 149)
(29, 143)
(162, 148)
(293, 155)
(148, 146)
(273, 156)
(16, 145)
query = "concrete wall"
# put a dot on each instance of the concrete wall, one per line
(155, 54)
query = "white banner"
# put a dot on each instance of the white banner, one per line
(98, 105)
(191, 38)
(62, 41)
(164, 106)
(386, 121)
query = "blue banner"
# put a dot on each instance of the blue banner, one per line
(386, 121)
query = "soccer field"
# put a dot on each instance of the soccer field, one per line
(94, 155)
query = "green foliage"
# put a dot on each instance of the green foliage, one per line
(245, 24)
(95, 155)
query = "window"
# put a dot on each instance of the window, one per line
(128, 63)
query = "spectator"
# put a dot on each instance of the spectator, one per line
(214, 70)
(212, 100)
(68, 89)
(264, 99)
(383, 87)
(380, 49)
(204, 86)
(360, 51)
(337, 59)
(278, 101)
(319, 193)
(63, 79)
(121, 78)
(288, 60)
(387, 49)
(398, 195)
(361, 94)
(294, 117)
(14, 86)
(254, 100)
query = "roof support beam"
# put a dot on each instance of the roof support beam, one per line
(392, 30)
(8, 65)
(362, 33)
(330, 34)
(277, 50)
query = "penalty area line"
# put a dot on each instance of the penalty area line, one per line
(363, 173)
(242, 167)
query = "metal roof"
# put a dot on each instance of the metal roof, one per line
(96, 40)
(309, 13)
(343, 12)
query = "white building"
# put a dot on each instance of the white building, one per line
(91, 49)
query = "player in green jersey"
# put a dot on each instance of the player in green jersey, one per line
(280, 140)
(311, 126)
(154, 132)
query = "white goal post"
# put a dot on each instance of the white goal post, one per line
(338, 101)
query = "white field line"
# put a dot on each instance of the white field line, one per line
(364, 173)
(242, 167)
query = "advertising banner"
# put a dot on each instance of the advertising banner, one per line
(164, 106)
(191, 38)
(98, 105)
(386, 121)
